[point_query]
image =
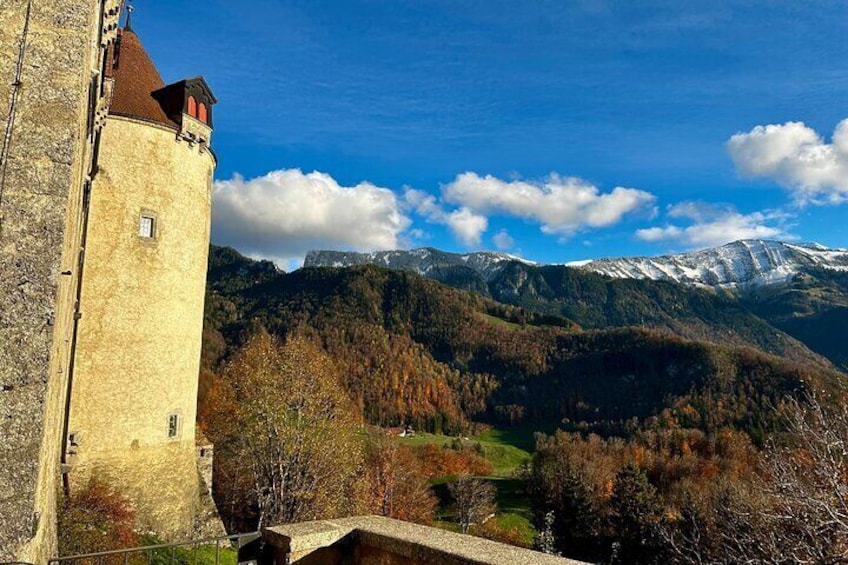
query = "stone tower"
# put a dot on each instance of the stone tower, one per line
(135, 374)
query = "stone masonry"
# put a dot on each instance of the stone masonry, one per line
(50, 89)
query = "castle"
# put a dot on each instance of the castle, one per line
(105, 204)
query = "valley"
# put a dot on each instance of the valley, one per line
(636, 383)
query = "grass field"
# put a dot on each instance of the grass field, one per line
(499, 322)
(512, 497)
(508, 450)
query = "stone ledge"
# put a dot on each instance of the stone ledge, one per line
(307, 536)
(401, 542)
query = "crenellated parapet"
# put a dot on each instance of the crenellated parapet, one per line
(111, 22)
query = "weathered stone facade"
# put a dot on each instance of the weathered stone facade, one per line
(100, 329)
(50, 88)
(138, 355)
(208, 521)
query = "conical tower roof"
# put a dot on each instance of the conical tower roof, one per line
(136, 79)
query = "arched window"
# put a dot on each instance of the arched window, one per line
(192, 107)
(202, 113)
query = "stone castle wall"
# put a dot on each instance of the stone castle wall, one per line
(141, 327)
(49, 55)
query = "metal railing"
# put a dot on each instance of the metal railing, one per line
(237, 549)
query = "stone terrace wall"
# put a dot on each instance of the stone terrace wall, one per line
(374, 540)
(49, 53)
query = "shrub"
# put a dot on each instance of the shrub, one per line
(94, 519)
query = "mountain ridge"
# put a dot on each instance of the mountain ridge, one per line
(741, 265)
(422, 260)
(798, 314)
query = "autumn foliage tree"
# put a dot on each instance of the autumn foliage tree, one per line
(795, 512)
(452, 461)
(96, 518)
(633, 500)
(398, 485)
(292, 430)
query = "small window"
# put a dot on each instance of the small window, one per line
(202, 113)
(173, 426)
(147, 227)
(192, 107)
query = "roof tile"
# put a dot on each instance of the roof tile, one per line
(136, 78)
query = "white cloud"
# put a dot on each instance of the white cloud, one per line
(503, 240)
(424, 203)
(711, 226)
(418, 234)
(561, 205)
(286, 213)
(465, 225)
(796, 157)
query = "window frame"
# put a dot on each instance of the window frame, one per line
(154, 226)
(177, 425)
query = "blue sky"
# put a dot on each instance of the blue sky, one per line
(558, 130)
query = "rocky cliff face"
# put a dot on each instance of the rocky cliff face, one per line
(425, 261)
(741, 264)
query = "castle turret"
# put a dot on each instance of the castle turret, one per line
(134, 389)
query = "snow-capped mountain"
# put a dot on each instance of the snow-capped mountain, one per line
(423, 261)
(741, 264)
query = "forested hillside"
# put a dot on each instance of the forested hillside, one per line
(799, 290)
(813, 308)
(416, 352)
(598, 302)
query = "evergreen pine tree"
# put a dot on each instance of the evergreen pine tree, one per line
(635, 516)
